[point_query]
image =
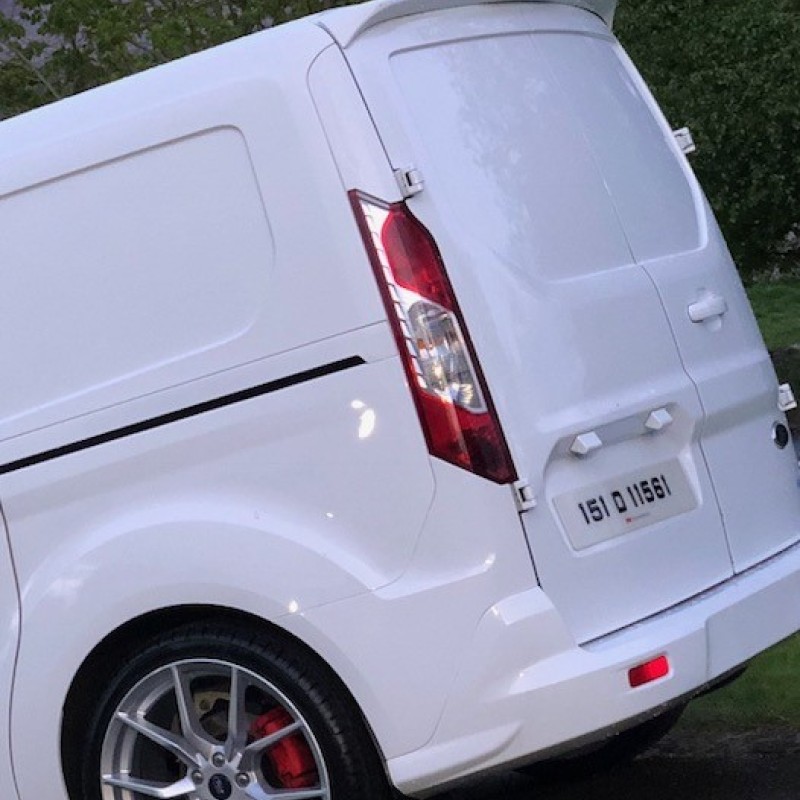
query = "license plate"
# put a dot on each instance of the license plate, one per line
(625, 503)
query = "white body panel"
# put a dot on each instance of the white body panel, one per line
(205, 404)
(223, 141)
(9, 620)
(724, 355)
(525, 687)
(223, 509)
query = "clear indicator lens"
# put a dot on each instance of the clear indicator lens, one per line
(443, 355)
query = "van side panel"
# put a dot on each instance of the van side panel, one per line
(225, 395)
(186, 222)
(354, 143)
(9, 624)
(274, 505)
(157, 257)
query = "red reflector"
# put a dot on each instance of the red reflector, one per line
(648, 672)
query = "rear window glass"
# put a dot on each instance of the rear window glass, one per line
(546, 147)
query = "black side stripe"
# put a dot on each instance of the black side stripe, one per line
(183, 413)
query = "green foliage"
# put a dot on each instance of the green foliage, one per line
(55, 49)
(730, 71)
(775, 306)
(767, 694)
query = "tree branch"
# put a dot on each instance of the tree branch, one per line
(29, 64)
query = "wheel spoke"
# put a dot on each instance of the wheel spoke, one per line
(176, 745)
(190, 724)
(162, 791)
(237, 717)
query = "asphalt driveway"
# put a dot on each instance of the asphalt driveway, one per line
(755, 765)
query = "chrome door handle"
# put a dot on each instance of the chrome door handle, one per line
(711, 305)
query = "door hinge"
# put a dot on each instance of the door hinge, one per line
(410, 181)
(786, 401)
(685, 140)
(524, 496)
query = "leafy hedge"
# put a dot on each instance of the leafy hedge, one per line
(731, 71)
(728, 68)
(51, 49)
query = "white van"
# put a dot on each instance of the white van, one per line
(381, 407)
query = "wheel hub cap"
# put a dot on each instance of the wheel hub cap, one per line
(220, 787)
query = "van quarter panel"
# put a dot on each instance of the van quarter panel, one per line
(225, 508)
(9, 622)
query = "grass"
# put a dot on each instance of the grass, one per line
(769, 692)
(777, 308)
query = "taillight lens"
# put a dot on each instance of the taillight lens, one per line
(454, 405)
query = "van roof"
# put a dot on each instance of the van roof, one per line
(346, 24)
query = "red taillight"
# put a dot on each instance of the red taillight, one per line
(454, 405)
(648, 672)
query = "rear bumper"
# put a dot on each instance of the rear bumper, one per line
(527, 690)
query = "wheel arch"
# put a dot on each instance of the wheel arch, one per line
(104, 657)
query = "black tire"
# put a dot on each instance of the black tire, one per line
(619, 749)
(328, 749)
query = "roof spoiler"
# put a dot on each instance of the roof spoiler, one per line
(346, 24)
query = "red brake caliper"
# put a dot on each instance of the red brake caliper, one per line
(291, 758)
